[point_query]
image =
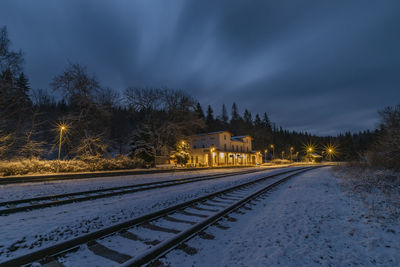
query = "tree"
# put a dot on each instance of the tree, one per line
(210, 118)
(199, 111)
(224, 115)
(235, 114)
(386, 150)
(87, 115)
(182, 153)
(9, 60)
(142, 145)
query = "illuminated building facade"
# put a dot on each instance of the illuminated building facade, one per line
(221, 149)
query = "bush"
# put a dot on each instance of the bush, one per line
(31, 166)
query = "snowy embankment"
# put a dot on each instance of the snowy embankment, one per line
(26, 231)
(309, 221)
(37, 189)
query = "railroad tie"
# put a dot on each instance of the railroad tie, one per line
(107, 253)
(219, 201)
(203, 209)
(160, 228)
(132, 236)
(172, 219)
(212, 205)
(193, 214)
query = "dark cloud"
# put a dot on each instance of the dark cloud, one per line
(320, 66)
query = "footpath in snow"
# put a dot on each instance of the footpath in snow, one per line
(308, 221)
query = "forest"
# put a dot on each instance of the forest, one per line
(103, 122)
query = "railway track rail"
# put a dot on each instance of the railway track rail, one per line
(153, 235)
(87, 175)
(28, 204)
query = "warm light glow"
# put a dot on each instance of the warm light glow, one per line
(272, 146)
(222, 155)
(309, 147)
(330, 150)
(291, 148)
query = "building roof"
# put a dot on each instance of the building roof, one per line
(241, 137)
(218, 132)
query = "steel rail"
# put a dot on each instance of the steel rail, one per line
(56, 250)
(172, 243)
(129, 189)
(4, 180)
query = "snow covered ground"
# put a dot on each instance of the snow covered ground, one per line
(28, 190)
(308, 221)
(23, 232)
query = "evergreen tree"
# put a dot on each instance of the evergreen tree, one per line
(210, 119)
(142, 145)
(235, 114)
(224, 115)
(199, 111)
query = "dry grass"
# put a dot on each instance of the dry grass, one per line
(378, 188)
(33, 166)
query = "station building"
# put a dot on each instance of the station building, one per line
(222, 149)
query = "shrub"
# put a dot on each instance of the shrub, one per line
(30, 166)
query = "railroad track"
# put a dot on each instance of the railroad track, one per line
(143, 240)
(87, 175)
(28, 204)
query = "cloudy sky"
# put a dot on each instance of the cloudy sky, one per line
(320, 66)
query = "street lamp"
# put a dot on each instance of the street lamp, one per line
(265, 154)
(291, 151)
(62, 128)
(283, 152)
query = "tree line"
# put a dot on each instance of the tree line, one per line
(140, 122)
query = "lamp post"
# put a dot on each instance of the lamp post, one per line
(62, 128)
(291, 152)
(265, 154)
(273, 151)
(309, 150)
(283, 152)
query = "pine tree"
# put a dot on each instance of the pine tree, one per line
(267, 122)
(224, 115)
(210, 118)
(142, 146)
(199, 111)
(235, 114)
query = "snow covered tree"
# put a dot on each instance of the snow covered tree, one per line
(142, 145)
(182, 152)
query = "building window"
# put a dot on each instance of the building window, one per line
(237, 148)
(224, 136)
(197, 159)
(194, 146)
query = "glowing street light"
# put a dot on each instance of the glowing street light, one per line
(330, 150)
(265, 154)
(291, 152)
(62, 128)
